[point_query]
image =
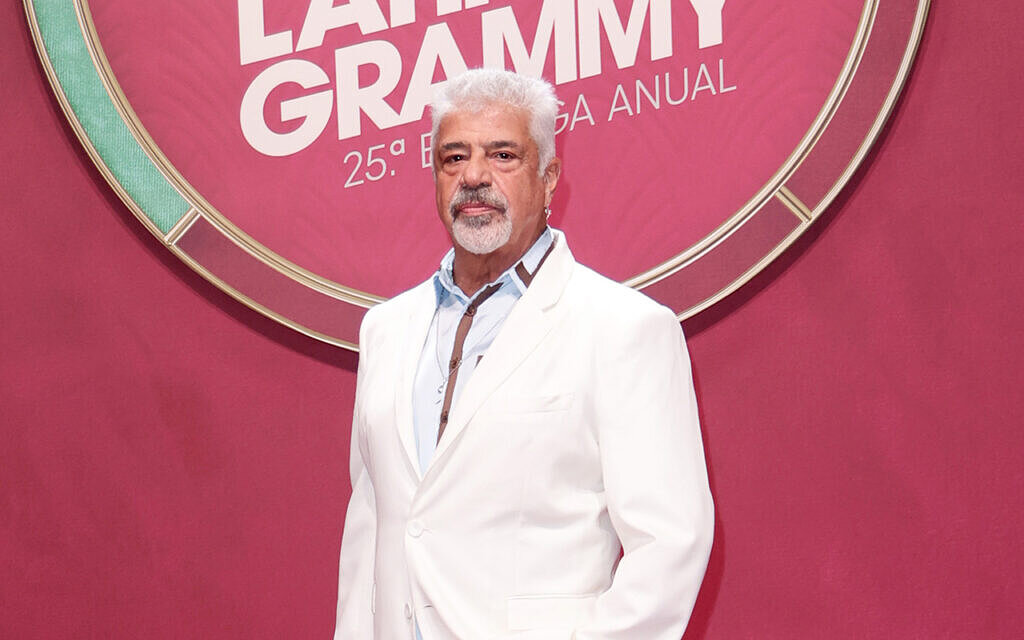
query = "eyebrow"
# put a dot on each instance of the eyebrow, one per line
(502, 144)
(496, 144)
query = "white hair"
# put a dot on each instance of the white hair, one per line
(478, 88)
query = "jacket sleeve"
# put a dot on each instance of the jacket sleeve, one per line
(655, 482)
(354, 619)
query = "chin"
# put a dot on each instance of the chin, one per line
(485, 238)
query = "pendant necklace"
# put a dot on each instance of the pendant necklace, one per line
(437, 354)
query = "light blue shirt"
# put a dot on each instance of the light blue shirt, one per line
(432, 371)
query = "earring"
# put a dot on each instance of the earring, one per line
(547, 212)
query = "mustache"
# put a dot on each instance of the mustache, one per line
(484, 194)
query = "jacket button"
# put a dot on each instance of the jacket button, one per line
(415, 528)
(408, 611)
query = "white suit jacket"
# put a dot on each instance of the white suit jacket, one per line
(576, 437)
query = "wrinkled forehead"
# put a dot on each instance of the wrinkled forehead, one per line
(484, 121)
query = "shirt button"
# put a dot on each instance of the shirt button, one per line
(415, 528)
(408, 611)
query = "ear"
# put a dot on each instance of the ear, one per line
(551, 174)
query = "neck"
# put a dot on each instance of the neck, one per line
(472, 271)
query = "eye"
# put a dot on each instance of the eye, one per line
(504, 155)
(455, 157)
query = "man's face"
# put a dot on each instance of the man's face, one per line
(490, 195)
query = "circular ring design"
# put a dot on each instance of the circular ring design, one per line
(836, 143)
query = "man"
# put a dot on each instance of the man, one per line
(520, 421)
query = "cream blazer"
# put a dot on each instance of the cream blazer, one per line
(575, 441)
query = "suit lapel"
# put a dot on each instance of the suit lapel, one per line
(532, 318)
(421, 313)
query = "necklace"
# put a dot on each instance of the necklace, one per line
(445, 375)
(464, 324)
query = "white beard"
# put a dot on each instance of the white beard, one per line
(482, 234)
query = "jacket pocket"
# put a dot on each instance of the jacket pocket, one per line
(514, 405)
(549, 611)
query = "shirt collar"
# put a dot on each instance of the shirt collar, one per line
(444, 281)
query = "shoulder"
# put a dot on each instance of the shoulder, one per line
(622, 329)
(380, 318)
(613, 303)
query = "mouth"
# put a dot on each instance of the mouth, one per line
(475, 209)
(478, 204)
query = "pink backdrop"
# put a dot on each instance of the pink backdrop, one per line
(173, 465)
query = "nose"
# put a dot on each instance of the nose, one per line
(477, 172)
